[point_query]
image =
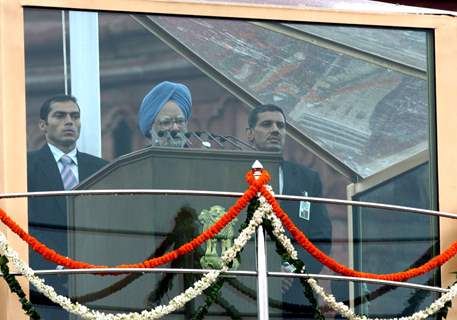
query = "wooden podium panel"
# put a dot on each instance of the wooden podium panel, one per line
(111, 230)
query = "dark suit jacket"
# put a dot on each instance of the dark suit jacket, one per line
(48, 218)
(48, 215)
(297, 180)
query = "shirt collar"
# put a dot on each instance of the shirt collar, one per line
(57, 154)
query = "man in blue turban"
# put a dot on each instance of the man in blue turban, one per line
(164, 114)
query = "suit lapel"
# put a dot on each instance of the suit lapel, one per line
(49, 169)
(82, 167)
(51, 173)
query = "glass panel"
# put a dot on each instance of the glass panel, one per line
(363, 114)
(148, 233)
(406, 47)
(356, 110)
(44, 77)
(44, 68)
(389, 241)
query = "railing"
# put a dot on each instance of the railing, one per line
(261, 272)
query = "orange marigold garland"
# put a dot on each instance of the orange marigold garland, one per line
(53, 256)
(255, 186)
(341, 269)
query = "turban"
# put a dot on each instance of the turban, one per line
(157, 97)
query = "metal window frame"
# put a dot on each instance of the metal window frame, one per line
(12, 94)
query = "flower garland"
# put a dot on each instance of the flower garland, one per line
(263, 211)
(176, 303)
(210, 233)
(268, 209)
(340, 307)
(15, 287)
(345, 311)
(212, 293)
(341, 269)
(232, 312)
(255, 185)
(286, 250)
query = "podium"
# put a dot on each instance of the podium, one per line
(124, 229)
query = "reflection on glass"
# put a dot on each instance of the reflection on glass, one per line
(389, 241)
(407, 47)
(357, 110)
(155, 226)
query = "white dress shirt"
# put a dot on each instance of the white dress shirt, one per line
(57, 153)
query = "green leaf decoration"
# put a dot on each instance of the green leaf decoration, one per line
(15, 287)
(299, 265)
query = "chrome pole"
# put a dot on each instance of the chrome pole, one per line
(262, 272)
(262, 277)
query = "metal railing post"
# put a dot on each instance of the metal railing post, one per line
(262, 276)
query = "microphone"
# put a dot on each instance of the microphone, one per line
(205, 144)
(205, 138)
(225, 139)
(213, 137)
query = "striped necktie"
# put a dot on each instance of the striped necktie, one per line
(68, 178)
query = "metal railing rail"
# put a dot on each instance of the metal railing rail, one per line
(243, 273)
(119, 192)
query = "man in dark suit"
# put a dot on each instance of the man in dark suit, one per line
(267, 132)
(58, 165)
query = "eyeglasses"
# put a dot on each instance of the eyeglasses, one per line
(168, 122)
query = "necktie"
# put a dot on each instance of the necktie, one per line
(68, 178)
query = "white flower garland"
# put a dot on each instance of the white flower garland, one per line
(348, 313)
(264, 210)
(278, 231)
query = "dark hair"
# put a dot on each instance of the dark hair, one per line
(253, 116)
(46, 106)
